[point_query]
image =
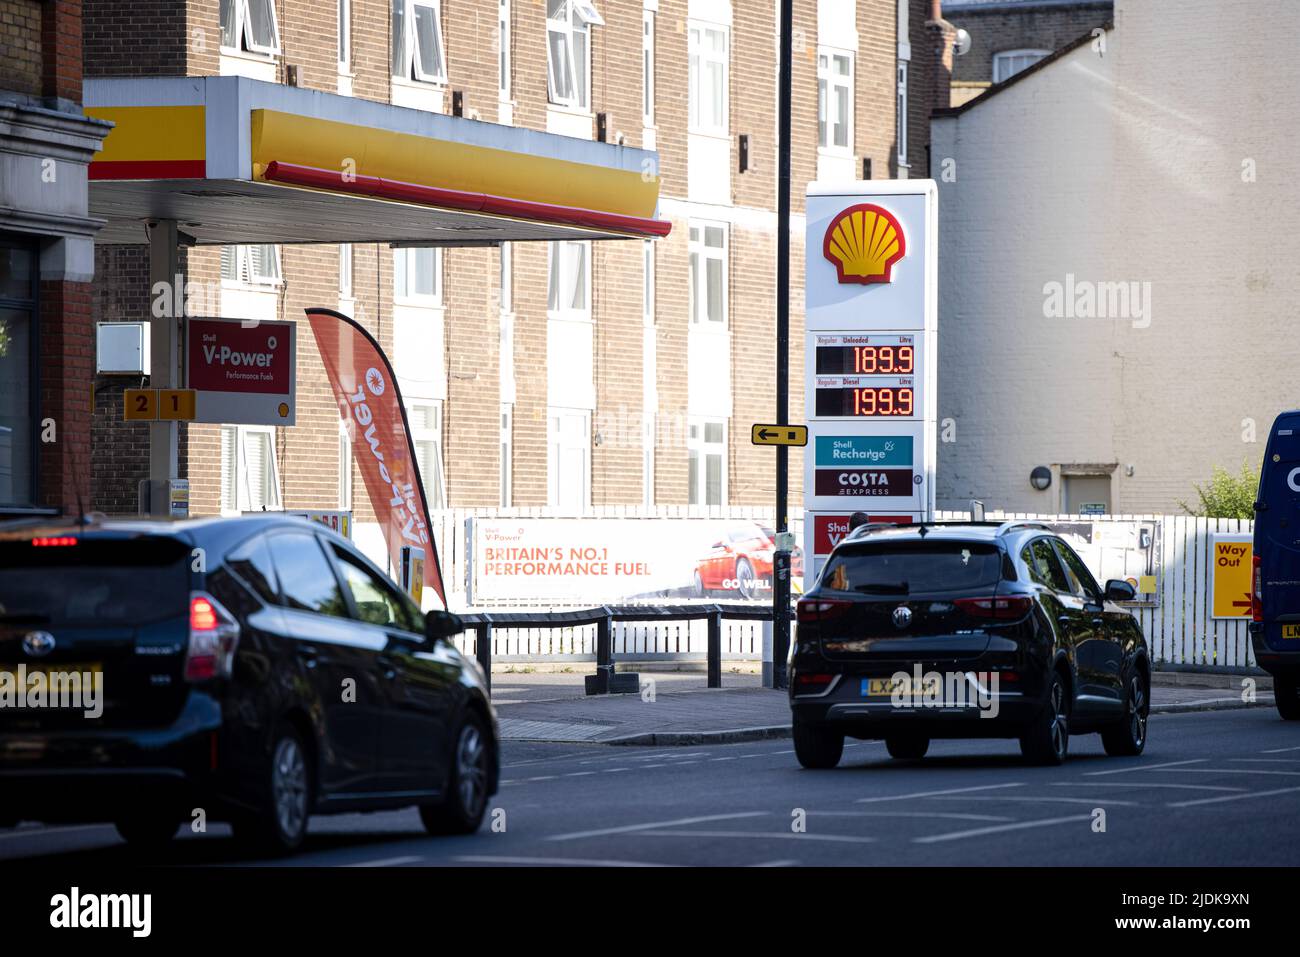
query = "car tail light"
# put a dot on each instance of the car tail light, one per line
(820, 609)
(57, 541)
(1003, 607)
(1256, 590)
(214, 635)
(812, 680)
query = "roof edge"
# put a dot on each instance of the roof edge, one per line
(1016, 78)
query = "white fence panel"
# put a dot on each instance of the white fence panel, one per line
(1179, 626)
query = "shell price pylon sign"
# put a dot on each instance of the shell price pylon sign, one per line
(863, 242)
(869, 356)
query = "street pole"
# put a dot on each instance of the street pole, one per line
(781, 571)
(164, 269)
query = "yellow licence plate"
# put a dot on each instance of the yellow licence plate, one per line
(1291, 631)
(906, 686)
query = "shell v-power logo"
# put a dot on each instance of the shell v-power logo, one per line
(863, 242)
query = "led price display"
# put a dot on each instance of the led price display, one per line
(866, 401)
(897, 359)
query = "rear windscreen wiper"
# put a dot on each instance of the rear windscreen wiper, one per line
(884, 588)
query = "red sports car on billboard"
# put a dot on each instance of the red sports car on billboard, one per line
(740, 564)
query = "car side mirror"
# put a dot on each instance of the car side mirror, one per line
(441, 625)
(1119, 590)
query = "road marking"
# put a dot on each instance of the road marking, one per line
(1047, 800)
(925, 794)
(387, 862)
(776, 835)
(614, 770)
(776, 864)
(999, 829)
(67, 829)
(1149, 784)
(1279, 750)
(1290, 774)
(578, 774)
(553, 861)
(943, 814)
(653, 825)
(1267, 760)
(1234, 797)
(1144, 767)
(542, 777)
(730, 758)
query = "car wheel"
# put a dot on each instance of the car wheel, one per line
(1286, 692)
(280, 824)
(909, 747)
(699, 585)
(745, 579)
(816, 746)
(462, 808)
(1128, 737)
(148, 832)
(1047, 739)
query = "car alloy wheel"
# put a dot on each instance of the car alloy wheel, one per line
(471, 770)
(1137, 711)
(1060, 717)
(289, 787)
(1046, 738)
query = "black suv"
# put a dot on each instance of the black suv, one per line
(965, 630)
(259, 668)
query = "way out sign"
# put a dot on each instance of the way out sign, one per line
(1230, 574)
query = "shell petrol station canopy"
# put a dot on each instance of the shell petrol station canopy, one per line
(234, 160)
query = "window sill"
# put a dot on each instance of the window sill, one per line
(241, 286)
(709, 328)
(416, 302)
(583, 317)
(249, 55)
(437, 86)
(711, 134)
(570, 110)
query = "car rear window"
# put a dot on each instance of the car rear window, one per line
(94, 581)
(909, 568)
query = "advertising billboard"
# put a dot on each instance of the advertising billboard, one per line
(594, 560)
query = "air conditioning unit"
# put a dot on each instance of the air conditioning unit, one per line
(122, 348)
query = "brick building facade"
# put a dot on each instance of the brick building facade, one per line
(46, 258)
(572, 375)
(1007, 36)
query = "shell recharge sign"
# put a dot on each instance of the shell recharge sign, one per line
(870, 364)
(365, 388)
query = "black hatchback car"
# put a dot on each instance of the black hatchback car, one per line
(258, 668)
(971, 630)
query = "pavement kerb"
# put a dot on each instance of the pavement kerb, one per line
(677, 739)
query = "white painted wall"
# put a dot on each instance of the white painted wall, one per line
(1126, 166)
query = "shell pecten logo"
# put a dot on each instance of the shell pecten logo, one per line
(863, 243)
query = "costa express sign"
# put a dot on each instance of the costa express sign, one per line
(245, 372)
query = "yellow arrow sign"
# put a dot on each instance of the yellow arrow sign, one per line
(779, 435)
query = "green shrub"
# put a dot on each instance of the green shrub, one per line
(1226, 495)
